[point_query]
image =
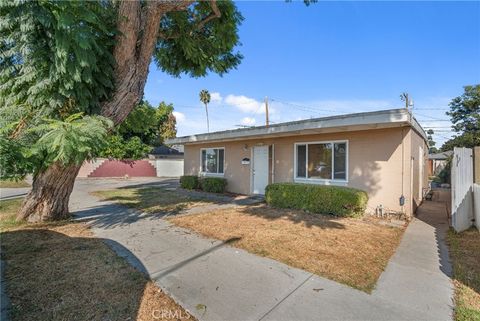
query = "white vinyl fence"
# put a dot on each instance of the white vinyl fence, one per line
(462, 188)
(476, 204)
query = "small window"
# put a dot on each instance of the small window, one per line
(301, 160)
(321, 161)
(340, 161)
(213, 160)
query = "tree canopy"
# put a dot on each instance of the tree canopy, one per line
(56, 56)
(64, 58)
(68, 141)
(465, 116)
(145, 126)
(199, 40)
(431, 143)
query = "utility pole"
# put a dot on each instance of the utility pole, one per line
(266, 112)
(406, 98)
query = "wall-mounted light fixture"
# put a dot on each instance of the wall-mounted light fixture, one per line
(245, 147)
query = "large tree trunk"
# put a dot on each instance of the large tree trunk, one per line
(138, 33)
(50, 194)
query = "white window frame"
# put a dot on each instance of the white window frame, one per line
(323, 181)
(202, 173)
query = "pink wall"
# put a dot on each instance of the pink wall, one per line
(115, 168)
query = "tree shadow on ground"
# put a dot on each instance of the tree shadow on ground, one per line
(323, 221)
(51, 276)
(169, 184)
(129, 204)
(435, 214)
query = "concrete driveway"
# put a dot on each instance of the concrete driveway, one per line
(217, 282)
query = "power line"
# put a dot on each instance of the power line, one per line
(305, 108)
(434, 118)
(433, 108)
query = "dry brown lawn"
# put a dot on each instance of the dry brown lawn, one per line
(465, 255)
(59, 271)
(350, 251)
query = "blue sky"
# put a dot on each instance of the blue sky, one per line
(333, 58)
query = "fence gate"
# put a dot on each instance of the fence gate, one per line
(462, 184)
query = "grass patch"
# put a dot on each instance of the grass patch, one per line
(465, 255)
(13, 184)
(8, 213)
(59, 271)
(151, 199)
(350, 251)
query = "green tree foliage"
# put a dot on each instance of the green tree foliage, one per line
(468, 140)
(56, 59)
(120, 148)
(56, 56)
(68, 141)
(166, 123)
(55, 63)
(431, 143)
(62, 58)
(465, 115)
(145, 126)
(192, 45)
(141, 123)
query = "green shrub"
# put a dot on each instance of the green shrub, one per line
(189, 182)
(335, 200)
(213, 184)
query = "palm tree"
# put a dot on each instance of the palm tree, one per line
(205, 99)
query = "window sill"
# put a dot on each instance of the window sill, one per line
(212, 174)
(321, 181)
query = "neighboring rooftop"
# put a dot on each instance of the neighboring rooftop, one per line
(440, 156)
(349, 122)
(163, 150)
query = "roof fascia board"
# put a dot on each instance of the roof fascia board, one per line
(381, 119)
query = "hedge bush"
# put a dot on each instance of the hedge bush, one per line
(213, 184)
(335, 200)
(189, 182)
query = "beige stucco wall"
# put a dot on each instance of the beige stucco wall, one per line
(418, 170)
(374, 163)
(419, 173)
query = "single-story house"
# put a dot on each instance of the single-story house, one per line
(383, 153)
(437, 162)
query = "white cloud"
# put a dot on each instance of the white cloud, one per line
(215, 97)
(248, 121)
(180, 117)
(246, 104)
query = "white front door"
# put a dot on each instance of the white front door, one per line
(260, 169)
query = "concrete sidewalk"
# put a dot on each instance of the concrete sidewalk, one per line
(11, 193)
(217, 282)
